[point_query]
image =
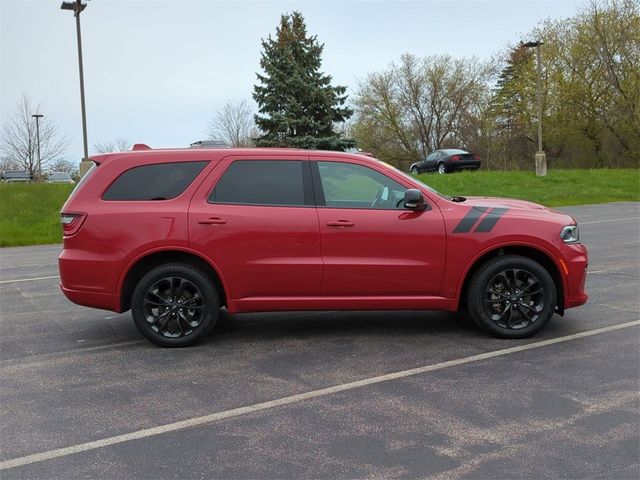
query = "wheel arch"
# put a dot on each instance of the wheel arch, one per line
(143, 263)
(541, 256)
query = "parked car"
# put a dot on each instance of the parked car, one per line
(173, 235)
(447, 160)
(16, 176)
(59, 177)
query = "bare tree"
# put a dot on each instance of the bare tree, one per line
(420, 104)
(233, 123)
(117, 145)
(63, 165)
(19, 139)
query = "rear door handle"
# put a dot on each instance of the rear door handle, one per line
(211, 221)
(341, 223)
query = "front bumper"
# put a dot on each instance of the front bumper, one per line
(575, 265)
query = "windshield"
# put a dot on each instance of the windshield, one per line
(415, 180)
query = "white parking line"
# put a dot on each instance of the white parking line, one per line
(611, 220)
(236, 412)
(29, 279)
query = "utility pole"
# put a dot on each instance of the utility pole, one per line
(77, 6)
(38, 116)
(541, 156)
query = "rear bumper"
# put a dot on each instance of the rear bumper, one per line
(464, 165)
(105, 301)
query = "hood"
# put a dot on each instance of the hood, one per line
(509, 203)
(521, 208)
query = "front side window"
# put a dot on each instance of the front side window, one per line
(261, 182)
(347, 185)
(160, 181)
(432, 156)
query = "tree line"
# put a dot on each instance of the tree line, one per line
(590, 96)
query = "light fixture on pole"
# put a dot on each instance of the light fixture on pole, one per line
(541, 156)
(38, 116)
(76, 7)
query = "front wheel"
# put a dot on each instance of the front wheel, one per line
(175, 305)
(415, 170)
(442, 169)
(511, 297)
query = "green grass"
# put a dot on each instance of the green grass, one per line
(558, 188)
(29, 213)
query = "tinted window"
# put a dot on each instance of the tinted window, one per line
(261, 182)
(347, 185)
(160, 181)
(432, 156)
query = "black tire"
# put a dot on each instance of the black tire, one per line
(175, 305)
(415, 170)
(511, 297)
(442, 168)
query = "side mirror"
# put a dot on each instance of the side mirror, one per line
(413, 200)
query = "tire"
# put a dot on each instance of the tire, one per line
(496, 302)
(442, 169)
(415, 170)
(161, 300)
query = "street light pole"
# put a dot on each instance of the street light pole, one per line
(38, 116)
(77, 6)
(541, 156)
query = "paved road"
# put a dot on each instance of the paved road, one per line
(83, 396)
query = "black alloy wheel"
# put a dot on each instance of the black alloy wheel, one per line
(175, 305)
(512, 297)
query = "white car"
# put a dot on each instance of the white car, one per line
(60, 177)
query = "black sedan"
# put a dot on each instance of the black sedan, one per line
(447, 160)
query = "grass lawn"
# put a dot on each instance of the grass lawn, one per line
(29, 213)
(558, 188)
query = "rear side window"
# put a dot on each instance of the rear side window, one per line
(261, 182)
(160, 181)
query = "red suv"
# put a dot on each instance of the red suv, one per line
(174, 235)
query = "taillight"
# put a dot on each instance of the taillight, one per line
(476, 157)
(455, 157)
(71, 222)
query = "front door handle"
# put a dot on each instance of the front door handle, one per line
(341, 223)
(211, 221)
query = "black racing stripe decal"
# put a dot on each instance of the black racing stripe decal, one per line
(490, 220)
(470, 219)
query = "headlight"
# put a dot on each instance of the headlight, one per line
(570, 234)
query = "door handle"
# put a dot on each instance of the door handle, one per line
(341, 223)
(211, 221)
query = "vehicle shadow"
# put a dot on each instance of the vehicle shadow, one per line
(325, 324)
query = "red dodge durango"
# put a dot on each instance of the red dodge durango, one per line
(174, 235)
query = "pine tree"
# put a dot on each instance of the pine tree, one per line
(298, 106)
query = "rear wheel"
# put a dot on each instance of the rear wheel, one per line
(175, 305)
(511, 297)
(442, 169)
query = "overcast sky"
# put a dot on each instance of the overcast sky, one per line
(155, 71)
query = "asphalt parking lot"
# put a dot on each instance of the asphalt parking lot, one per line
(304, 395)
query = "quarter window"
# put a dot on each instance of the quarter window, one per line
(160, 181)
(347, 185)
(261, 182)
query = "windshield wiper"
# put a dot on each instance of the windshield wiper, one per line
(458, 199)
